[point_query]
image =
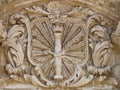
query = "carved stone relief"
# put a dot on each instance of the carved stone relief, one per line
(58, 46)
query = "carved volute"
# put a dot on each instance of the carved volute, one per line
(59, 45)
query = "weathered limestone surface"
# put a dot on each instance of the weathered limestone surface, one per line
(59, 44)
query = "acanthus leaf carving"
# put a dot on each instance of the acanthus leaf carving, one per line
(101, 50)
(13, 43)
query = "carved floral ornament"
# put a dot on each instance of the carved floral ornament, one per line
(57, 45)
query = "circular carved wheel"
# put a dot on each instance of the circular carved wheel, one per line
(73, 46)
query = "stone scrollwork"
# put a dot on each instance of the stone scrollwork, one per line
(57, 45)
(101, 51)
(13, 43)
(100, 46)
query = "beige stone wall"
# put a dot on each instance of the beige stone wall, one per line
(59, 44)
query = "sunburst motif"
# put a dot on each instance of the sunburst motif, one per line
(43, 46)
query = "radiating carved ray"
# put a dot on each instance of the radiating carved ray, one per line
(37, 53)
(48, 68)
(76, 54)
(65, 72)
(73, 59)
(37, 48)
(69, 29)
(48, 34)
(50, 29)
(66, 67)
(72, 30)
(76, 47)
(42, 30)
(37, 56)
(67, 26)
(38, 36)
(38, 59)
(73, 40)
(74, 34)
(44, 58)
(39, 45)
(69, 65)
(52, 73)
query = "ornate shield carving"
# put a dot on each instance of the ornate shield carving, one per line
(59, 43)
(45, 48)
